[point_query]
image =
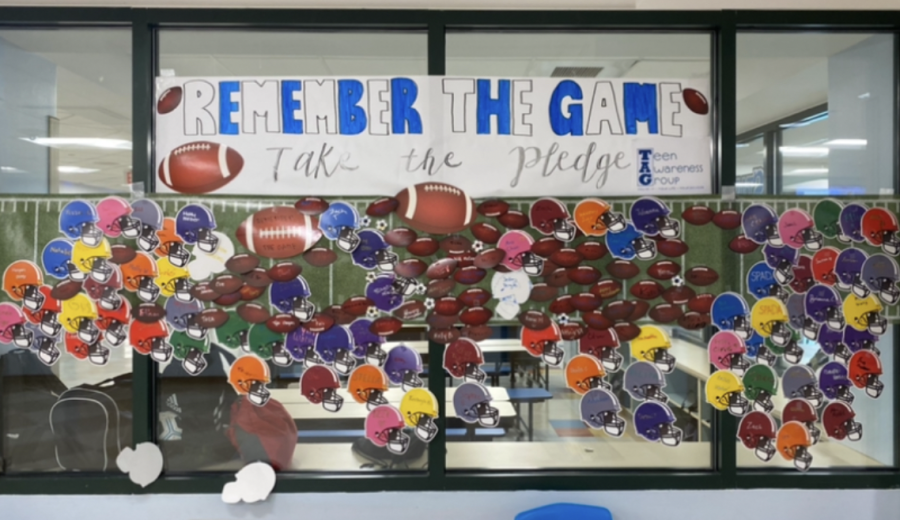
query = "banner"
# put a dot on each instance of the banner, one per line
(516, 137)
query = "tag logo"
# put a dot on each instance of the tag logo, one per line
(645, 166)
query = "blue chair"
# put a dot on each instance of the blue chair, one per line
(563, 511)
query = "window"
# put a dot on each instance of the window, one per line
(67, 111)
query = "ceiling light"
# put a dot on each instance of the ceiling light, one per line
(865, 95)
(76, 169)
(802, 171)
(855, 143)
(803, 151)
(747, 184)
(10, 169)
(80, 142)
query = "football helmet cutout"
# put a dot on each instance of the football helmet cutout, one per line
(837, 418)
(600, 411)
(760, 224)
(12, 326)
(630, 243)
(367, 344)
(826, 216)
(173, 280)
(799, 381)
(594, 217)
(823, 264)
(301, 345)
(880, 274)
(195, 224)
(757, 432)
(78, 221)
(319, 385)
(834, 382)
(335, 346)
(851, 222)
(544, 344)
(723, 392)
(105, 294)
(782, 260)
(726, 352)
(384, 427)
(797, 230)
(93, 261)
(268, 344)
(190, 351)
(865, 371)
(77, 317)
(804, 412)
(57, 261)
(151, 339)
(367, 385)
(403, 367)
(644, 382)
(550, 217)
(234, 334)
(803, 275)
(880, 228)
(47, 317)
(823, 306)
(760, 384)
(769, 319)
(115, 218)
(114, 323)
(584, 372)
(761, 283)
(339, 224)
(865, 314)
(655, 422)
(171, 245)
(472, 404)
(373, 252)
(793, 443)
(602, 344)
(848, 268)
(151, 217)
(249, 376)
(420, 408)
(292, 297)
(653, 344)
(651, 217)
(832, 343)
(729, 311)
(22, 282)
(517, 246)
(463, 360)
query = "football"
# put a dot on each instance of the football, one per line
(455, 244)
(493, 208)
(357, 305)
(665, 313)
(697, 215)
(410, 268)
(227, 300)
(695, 101)
(320, 322)
(678, 294)
(441, 269)
(596, 320)
(562, 305)
(646, 290)
(401, 237)
(443, 336)
(478, 332)
(447, 306)
(148, 312)
(485, 232)
(534, 320)
(664, 270)
(627, 331)
(586, 302)
(672, 247)
(475, 316)
(200, 167)
(284, 271)
(618, 310)
(622, 269)
(253, 312)
(439, 321)
(474, 297)
(386, 326)
(558, 278)
(727, 219)
(227, 284)
(435, 207)
(340, 316)
(382, 207)
(249, 293)
(469, 275)
(283, 323)
(440, 288)
(742, 245)
(592, 250)
(463, 258)
(122, 254)
(572, 331)
(411, 310)
(514, 220)
(606, 288)
(489, 258)
(701, 276)
(210, 318)
(279, 232)
(320, 257)
(204, 292)
(541, 292)
(424, 246)
(242, 263)
(65, 290)
(169, 100)
(640, 310)
(567, 257)
(583, 274)
(311, 205)
(257, 278)
(701, 303)
(694, 320)
(547, 246)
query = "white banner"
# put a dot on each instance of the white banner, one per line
(516, 137)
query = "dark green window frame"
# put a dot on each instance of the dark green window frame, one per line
(722, 25)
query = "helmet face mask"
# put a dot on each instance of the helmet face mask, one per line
(854, 430)
(812, 239)
(610, 422)
(738, 364)
(50, 324)
(426, 430)
(793, 353)
(765, 449)
(615, 222)
(784, 272)
(802, 458)
(552, 354)
(110, 300)
(178, 255)
(101, 271)
(312, 358)
(644, 249)
(347, 239)
(473, 374)
(653, 393)
(183, 290)
(610, 359)
(303, 309)
(488, 416)
(742, 327)
(763, 402)
(160, 350)
(331, 401)
(375, 355)
(91, 235)
(397, 441)
(874, 386)
(129, 226)
(410, 380)
(386, 260)
(343, 362)
(116, 333)
(75, 274)
(563, 230)
(812, 394)
(87, 330)
(98, 354)
(670, 435)
(48, 353)
(875, 322)
(280, 356)
(404, 286)
(766, 356)
(32, 297)
(532, 264)
(207, 241)
(148, 240)
(258, 393)
(737, 404)
(22, 337)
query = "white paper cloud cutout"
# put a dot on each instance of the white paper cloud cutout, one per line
(206, 264)
(254, 483)
(143, 464)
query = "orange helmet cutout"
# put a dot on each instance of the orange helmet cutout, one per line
(249, 376)
(151, 339)
(138, 276)
(793, 443)
(594, 217)
(544, 344)
(583, 373)
(171, 245)
(367, 385)
(22, 281)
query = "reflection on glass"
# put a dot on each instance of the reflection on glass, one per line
(751, 169)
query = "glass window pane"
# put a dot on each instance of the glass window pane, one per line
(830, 99)
(751, 167)
(66, 110)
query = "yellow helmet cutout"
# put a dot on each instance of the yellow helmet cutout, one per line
(419, 408)
(652, 345)
(723, 392)
(769, 318)
(864, 314)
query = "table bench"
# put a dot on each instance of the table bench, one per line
(530, 396)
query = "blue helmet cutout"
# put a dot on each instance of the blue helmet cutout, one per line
(291, 297)
(373, 252)
(651, 217)
(655, 422)
(881, 274)
(629, 243)
(78, 221)
(848, 268)
(335, 346)
(195, 224)
(339, 224)
(851, 222)
(730, 312)
(151, 217)
(760, 224)
(761, 283)
(300, 344)
(782, 260)
(403, 367)
(57, 260)
(367, 344)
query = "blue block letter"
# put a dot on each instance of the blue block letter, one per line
(488, 107)
(351, 116)
(640, 107)
(574, 123)
(289, 105)
(227, 107)
(403, 95)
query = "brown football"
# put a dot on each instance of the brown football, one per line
(284, 271)
(583, 274)
(485, 232)
(618, 310)
(311, 206)
(562, 304)
(558, 278)
(320, 257)
(410, 310)
(727, 219)
(423, 246)
(283, 323)
(439, 321)
(665, 313)
(227, 284)
(606, 288)
(474, 297)
(122, 254)
(534, 320)
(742, 245)
(701, 303)
(493, 208)
(489, 258)
(401, 237)
(646, 289)
(697, 215)
(678, 294)
(447, 306)
(257, 278)
(572, 331)
(357, 305)
(210, 318)
(694, 320)
(592, 250)
(672, 248)
(478, 332)
(640, 310)
(382, 207)
(204, 292)
(469, 275)
(411, 268)
(541, 292)
(586, 302)
(440, 288)
(622, 269)
(596, 320)
(546, 246)
(455, 244)
(278, 232)
(566, 257)
(253, 312)
(474, 316)
(443, 336)
(320, 322)
(250, 293)
(242, 263)
(701, 276)
(441, 269)
(514, 220)
(148, 312)
(341, 317)
(227, 300)
(627, 331)
(386, 326)
(65, 290)
(664, 270)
